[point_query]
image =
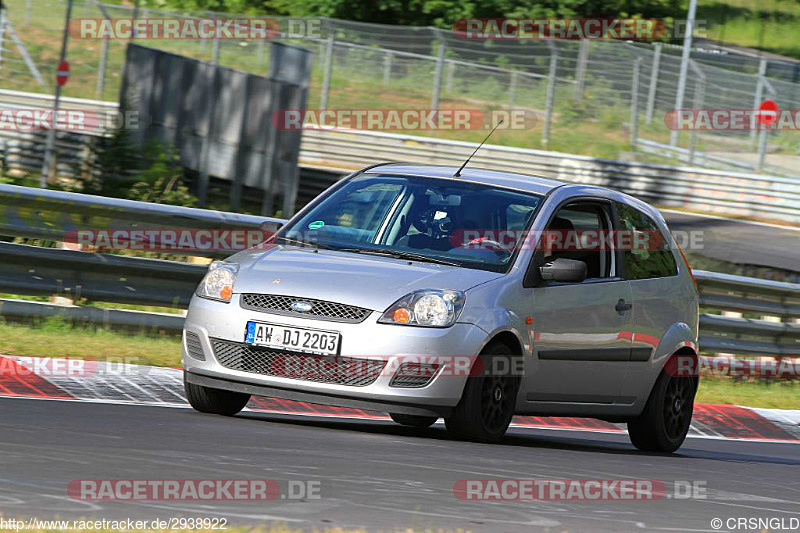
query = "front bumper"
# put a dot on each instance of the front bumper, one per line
(216, 320)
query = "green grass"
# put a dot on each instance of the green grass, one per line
(54, 338)
(777, 395)
(770, 25)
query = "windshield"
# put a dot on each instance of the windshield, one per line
(464, 224)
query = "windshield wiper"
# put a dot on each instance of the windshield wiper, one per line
(400, 255)
(289, 240)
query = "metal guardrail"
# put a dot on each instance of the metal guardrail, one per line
(755, 299)
(732, 193)
(47, 214)
(30, 270)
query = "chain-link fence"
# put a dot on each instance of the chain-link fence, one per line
(599, 97)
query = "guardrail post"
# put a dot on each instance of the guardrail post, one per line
(651, 92)
(580, 71)
(437, 77)
(387, 67)
(551, 88)
(326, 73)
(637, 66)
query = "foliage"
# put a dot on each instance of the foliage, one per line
(441, 13)
(119, 167)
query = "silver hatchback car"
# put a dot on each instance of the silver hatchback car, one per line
(407, 290)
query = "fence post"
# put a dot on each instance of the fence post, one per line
(387, 67)
(551, 87)
(101, 68)
(215, 52)
(687, 48)
(28, 9)
(451, 69)
(326, 74)
(651, 92)
(763, 132)
(699, 99)
(512, 89)
(759, 95)
(2, 30)
(260, 54)
(637, 66)
(580, 71)
(203, 172)
(48, 165)
(437, 78)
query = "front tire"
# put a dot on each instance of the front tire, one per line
(489, 399)
(414, 421)
(214, 401)
(664, 423)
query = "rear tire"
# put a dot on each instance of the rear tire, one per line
(489, 399)
(214, 401)
(414, 421)
(664, 423)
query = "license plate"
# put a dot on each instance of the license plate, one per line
(293, 339)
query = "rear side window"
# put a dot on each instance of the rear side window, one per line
(648, 255)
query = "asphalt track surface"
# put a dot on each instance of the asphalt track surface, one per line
(741, 242)
(372, 474)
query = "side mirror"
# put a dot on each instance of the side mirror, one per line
(565, 270)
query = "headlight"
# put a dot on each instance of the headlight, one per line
(432, 308)
(218, 281)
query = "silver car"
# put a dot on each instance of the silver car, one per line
(407, 290)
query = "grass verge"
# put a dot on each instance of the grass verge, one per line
(773, 395)
(55, 338)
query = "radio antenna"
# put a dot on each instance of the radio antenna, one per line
(458, 172)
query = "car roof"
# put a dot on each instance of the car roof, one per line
(484, 176)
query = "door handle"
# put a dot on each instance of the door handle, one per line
(621, 306)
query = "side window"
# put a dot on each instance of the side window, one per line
(575, 233)
(646, 253)
(517, 216)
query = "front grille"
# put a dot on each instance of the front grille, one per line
(194, 347)
(320, 309)
(335, 370)
(414, 375)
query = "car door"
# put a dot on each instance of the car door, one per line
(582, 331)
(651, 269)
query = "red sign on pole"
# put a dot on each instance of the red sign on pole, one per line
(767, 112)
(62, 73)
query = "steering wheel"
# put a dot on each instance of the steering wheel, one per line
(486, 240)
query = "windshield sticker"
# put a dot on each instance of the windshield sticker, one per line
(316, 224)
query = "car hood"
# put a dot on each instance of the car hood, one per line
(368, 281)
